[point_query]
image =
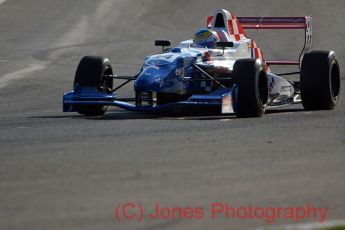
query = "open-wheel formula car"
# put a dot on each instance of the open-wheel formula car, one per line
(220, 68)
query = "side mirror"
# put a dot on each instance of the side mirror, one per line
(162, 43)
(225, 44)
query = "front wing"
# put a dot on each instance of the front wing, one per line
(223, 99)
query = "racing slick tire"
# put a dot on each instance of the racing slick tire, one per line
(250, 77)
(320, 80)
(90, 73)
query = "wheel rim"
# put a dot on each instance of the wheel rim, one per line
(106, 84)
(335, 81)
(263, 89)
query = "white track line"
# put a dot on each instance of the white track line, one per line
(2, 1)
(5, 79)
(307, 226)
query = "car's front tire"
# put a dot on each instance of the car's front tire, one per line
(90, 73)
(250, 78)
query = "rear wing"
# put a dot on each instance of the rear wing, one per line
(278, 23)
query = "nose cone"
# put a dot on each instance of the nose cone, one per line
(150, 79)
(159, 73)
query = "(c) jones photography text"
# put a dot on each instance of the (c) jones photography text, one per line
(134, 211)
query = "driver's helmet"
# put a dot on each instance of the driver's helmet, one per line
(206, 38)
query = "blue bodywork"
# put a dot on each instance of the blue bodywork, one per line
(171, 73)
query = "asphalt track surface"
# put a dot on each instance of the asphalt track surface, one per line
(65, 171)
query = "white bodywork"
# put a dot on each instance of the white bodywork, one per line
(279, 88)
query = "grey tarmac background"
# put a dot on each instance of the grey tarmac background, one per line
(65, 171)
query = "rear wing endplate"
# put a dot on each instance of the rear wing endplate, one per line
(277, 23)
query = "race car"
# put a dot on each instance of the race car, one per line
(220, 69)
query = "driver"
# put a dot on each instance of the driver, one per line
(206, 38)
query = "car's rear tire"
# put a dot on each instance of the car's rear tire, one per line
(320, 80)
(90, 73)
(250, 78)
